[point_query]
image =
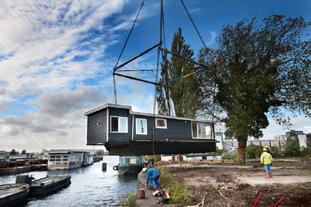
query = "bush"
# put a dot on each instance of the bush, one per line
(229, 155)
(253, 151)
(276, 152)
(153, 158)
(292, 149)
(178, 191)
(306, 151)
(129, 200)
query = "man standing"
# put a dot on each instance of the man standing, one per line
(152, 176)
(266, 160)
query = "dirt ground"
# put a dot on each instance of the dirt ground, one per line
(235, 186)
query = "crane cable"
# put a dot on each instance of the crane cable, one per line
(157, 74)
(193, 23)
(123, 48)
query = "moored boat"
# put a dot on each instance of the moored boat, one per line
(13, 194)
(48, 185)
(130, 165)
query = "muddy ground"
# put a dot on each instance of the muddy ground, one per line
(221, 184)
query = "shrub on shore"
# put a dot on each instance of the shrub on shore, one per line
(178, 190)
(129, 200)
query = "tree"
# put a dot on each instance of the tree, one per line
(184, 89)
(13, 152)
(23, 152)
(259, 69)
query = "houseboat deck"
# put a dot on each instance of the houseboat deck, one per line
(13, 194)
(48, 185)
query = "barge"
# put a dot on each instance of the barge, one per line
(124, 132)
(13, 194)
(48, 185)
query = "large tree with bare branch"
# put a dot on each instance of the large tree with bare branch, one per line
(258, 68)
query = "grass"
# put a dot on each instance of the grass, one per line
(178, 190)
(129, 200)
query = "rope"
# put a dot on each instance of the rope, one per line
(123, 48)
(157, 74)
(129, 34)
(193, 23)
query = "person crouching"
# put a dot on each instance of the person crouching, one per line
(152, 177)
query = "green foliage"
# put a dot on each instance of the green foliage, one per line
(309, 140)
(292, 149)
(276, 152)
(306, 151)
(129, 200)
(253, 151)
(178, 191)
(13, 152)
(229, 155)
(248, 70)
(100, 152)
(153, 158)
(184, 90)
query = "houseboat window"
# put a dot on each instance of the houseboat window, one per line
(114, 124)
(201, 130)
(161, 123)
(141, 126)
(194, 129)
(118, 124)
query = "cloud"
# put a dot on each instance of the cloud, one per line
(58, 104)
(57, 111)
(212, 39)
(41, 48)
(48, 51)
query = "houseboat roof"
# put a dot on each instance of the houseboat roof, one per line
(67, 151)
(109, 105)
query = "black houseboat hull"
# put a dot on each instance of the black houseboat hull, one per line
(149, 148)
(124, 132)
(16, 195)
(38, 189)
(128, 169)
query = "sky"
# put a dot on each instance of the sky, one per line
(56, 60)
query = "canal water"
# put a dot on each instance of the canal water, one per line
(90, 186)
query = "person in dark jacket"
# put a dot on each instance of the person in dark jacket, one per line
(152, 177)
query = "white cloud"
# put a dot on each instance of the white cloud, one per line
(58, 122)
(47, 50)
(212, 38)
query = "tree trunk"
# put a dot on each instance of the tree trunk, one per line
(241, 151)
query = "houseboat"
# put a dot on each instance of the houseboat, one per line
(68, 159)
(48, 185)
(13, 194)
(129, 165)
(124, 132)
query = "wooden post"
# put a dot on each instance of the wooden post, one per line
(104, 166)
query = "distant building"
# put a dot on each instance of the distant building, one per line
(68, 159)
(297, 135)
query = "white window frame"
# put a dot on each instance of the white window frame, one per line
(198, 135)
(119, 130)
(160, 127)
(141, 119)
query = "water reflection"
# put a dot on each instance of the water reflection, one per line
(90, 186)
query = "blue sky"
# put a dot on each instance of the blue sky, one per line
(56, 59)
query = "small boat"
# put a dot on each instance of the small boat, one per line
(48, 185)
(13, 194)
(129, 165)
